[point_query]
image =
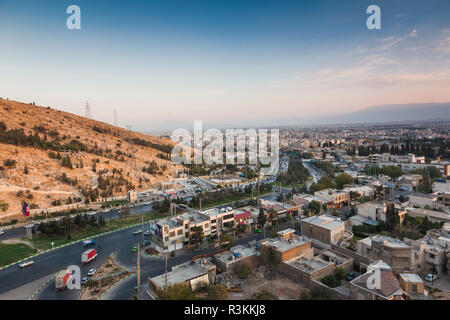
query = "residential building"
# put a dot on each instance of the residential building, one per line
(194, 274)
(304, 268)
(227, 261)
(378, 283)
(372, 213)
(433, 216)
(131, 196)
(288, 245)
(397, 254)
(441, 186)
(334, 198)
(412, 286)
(422, 200)
(363, 191)
(326, 229)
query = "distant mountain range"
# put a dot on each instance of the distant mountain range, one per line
(391, 113)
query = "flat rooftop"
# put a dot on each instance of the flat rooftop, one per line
(285, 245)
(387, 241)
(325, 221)
(308, 265)
(228, 256)
(411, 277)
(183, 272)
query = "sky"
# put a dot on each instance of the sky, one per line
(164, 64)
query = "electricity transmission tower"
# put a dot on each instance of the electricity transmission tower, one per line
(87, 111)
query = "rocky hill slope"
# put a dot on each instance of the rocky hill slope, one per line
(49, 158)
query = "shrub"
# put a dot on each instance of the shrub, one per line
(243, 270)
(9, 163)
(217, 292)
(265, 295)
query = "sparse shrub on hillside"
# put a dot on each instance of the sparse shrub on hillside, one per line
(9, 163)
(66, 162)
(4, 206)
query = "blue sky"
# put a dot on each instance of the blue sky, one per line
(164, 64)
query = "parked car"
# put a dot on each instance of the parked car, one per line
(84, 280)
(350, 276)
(146, 233)
(1, 231)
(146, 242)
(430, 277)
(257, 231)
(91, 272)
(25, 263)
(134, 249)
(137, 232)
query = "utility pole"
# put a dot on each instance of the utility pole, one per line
(142, 229)
(138, 271)
(165, 269)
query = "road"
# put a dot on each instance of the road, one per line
(314, 172)
(114, 213)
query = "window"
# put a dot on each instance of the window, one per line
(228, 216)
(172, 234)
(206, 225)
(180, 232)
(414, 287)
(166, 239)
(213, 221)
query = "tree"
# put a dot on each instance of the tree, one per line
(243, 270)
(217, 292)
(270, 256)
(272, 217)
(392, 217)
(315, 206)
(25, 170)
(177, 292)
(197, 235)
(343, 179)
(262, 219)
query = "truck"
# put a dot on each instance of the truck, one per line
(88, 255)
(61, 279)
(88, 243)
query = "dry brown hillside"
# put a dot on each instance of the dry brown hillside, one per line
(50, 157)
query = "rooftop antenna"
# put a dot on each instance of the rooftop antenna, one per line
(87, 111)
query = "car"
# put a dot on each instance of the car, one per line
(84, 280)
(350, 276)
(430, 277)
(134, 249)
(25, 263)
(146, 242)
(31, 225)
(88, 243)
(146, 233)
(257, 231)
(1, 231)
(91, 272)
(137, 232)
